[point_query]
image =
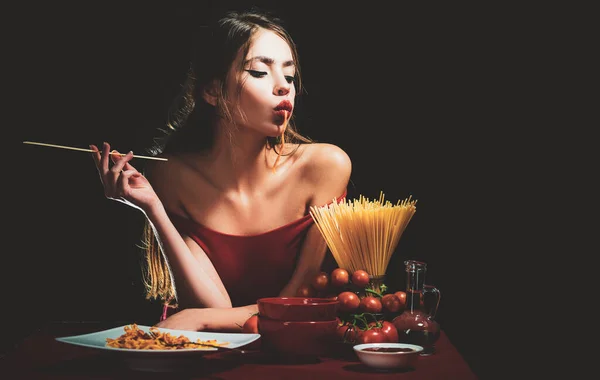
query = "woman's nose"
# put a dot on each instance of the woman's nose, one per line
(282, 88)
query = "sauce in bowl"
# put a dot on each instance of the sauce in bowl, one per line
(388, 349)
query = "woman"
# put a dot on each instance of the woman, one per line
(228, 213)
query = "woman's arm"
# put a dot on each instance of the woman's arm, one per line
(123, 183)
(198, 283)
(211, 319)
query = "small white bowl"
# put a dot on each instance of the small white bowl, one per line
(382, 355)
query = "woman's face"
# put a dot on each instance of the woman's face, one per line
(266, 81)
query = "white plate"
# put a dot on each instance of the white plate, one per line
(158, 360)
(98, 340)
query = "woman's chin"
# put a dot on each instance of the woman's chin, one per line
(277, 132)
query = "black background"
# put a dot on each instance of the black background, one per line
(423, 101)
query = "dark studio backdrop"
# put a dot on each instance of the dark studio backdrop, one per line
(411, 96)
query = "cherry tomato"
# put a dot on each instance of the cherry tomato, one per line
(391, 303)
(370, 304)
(346, 332)
(321, 281)
(348, 301)
(306, 291)
(251, 325)
(402, 297)
(374, 335)
(389, 330)
(360, 278)
(339, 277)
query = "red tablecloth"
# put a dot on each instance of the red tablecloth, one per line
(40, 356)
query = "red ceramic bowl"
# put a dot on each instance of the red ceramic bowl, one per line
(297, 338)
(298, 308)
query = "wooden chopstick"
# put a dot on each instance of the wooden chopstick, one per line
(89, 150)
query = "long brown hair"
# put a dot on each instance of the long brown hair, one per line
(191, 122)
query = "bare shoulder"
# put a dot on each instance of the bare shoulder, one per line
(329, 156)
(328, 170)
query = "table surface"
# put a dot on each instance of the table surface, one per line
(41, 356)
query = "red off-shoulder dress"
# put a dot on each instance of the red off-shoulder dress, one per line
(250, 266)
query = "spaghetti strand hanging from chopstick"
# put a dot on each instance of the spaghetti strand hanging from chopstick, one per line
(282, 145)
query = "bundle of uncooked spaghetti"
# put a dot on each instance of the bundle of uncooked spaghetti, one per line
(363, 233)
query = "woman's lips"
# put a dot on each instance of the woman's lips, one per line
(284, 105)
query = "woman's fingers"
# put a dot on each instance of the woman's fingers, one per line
(115, 156)
(104, 159)
(96, 154)
(128, 166)
(119, 162)
(116, 178)
(123, 180)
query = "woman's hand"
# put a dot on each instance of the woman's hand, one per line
(186, 319)
(224, 319)
(122, 182)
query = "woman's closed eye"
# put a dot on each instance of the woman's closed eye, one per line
(261, 74)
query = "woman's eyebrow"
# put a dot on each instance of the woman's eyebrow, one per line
(269, 61)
